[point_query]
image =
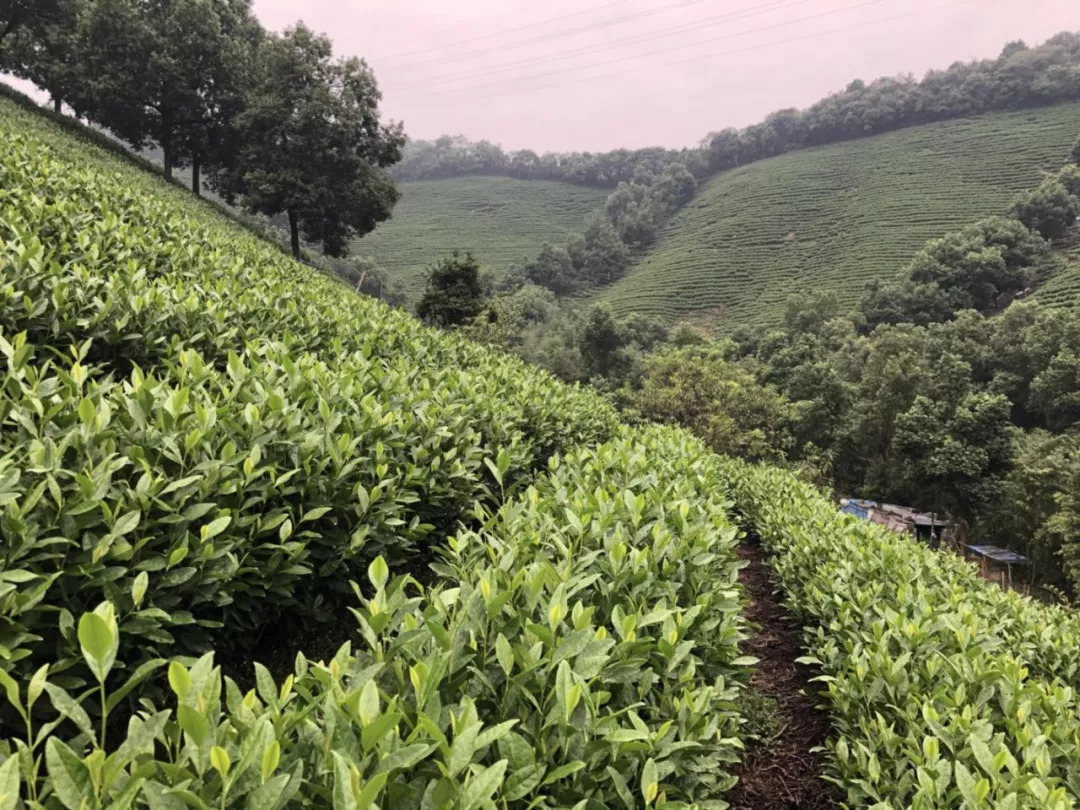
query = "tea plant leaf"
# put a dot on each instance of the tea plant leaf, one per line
(69, 776)
(482, 785)
(9, 783)
(99, 640)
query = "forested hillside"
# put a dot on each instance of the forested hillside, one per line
(501, 219)
(836, 217)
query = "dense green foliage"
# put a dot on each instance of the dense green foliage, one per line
(168, 337)
(503, 221)
(836, 217)
(944, 691)
(581, 647)
(975, 268)
(718, 400)
(454, 295)
(274, 118)
(203, 439)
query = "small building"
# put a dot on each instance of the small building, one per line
(927, 527)
(995, 563)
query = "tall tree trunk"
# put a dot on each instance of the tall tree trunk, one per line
(195, 167)
(166, 147)
(294, 228)
(57, 105)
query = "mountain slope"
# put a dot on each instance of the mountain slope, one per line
(500, 219)
(835, 217)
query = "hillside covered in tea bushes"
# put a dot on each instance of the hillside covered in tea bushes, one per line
(833, 218)
(204, 441)
(503, 220)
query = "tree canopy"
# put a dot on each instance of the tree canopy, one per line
(454, 294)
(311, 143)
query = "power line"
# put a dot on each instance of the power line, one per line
(515, 79)
(552, 35)
(504, 31)
(706, 22)
(749, 49)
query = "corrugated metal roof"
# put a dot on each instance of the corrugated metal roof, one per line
(998, 554)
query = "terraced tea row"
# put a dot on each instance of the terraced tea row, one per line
(502, 220)
(1063, 289)
(943, 690)
(235, 434)
(583, 647)
(836, 217)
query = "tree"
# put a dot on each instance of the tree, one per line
(1075, 154)
(601, 340)
(212, 139)
(454, 294)
(1049, 209)
(312, 145)
(968, 269)
(44, 49)
(1055, 391)
(1070, 177)
(14, 14)
(716, 399)
(605, 258)
(553, 269)
(904, 302)
(810, 310)
(955, 457)
(158, 69)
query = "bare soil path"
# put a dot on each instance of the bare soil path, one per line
(780, 772)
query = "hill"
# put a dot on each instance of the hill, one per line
(501, 219)
(205, 443)
(834, 217)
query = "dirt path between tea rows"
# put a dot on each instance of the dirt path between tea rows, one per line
(780, 772)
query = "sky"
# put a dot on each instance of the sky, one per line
(593, 75)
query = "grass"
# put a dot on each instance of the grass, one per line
(835, 217)
(500, 219)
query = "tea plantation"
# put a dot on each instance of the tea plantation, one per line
(835, 217)
(502, 220)
(202, 440)
(1063, 288)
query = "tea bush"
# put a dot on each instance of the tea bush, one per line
(186, 408)
(943, 690)
(581, 652)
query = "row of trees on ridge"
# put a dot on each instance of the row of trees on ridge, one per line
(274, 120)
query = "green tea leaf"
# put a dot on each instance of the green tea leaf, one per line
(9, 783)
(99, 640)
(482, 785)
(220, 760)
(69, 776)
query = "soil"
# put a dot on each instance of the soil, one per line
(780, 772)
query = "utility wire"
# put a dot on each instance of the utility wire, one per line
(550, 36)
(706, 22)
(783, 24)
(750, 49)
(504, 31)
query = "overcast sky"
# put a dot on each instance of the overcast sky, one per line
(596, 75)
